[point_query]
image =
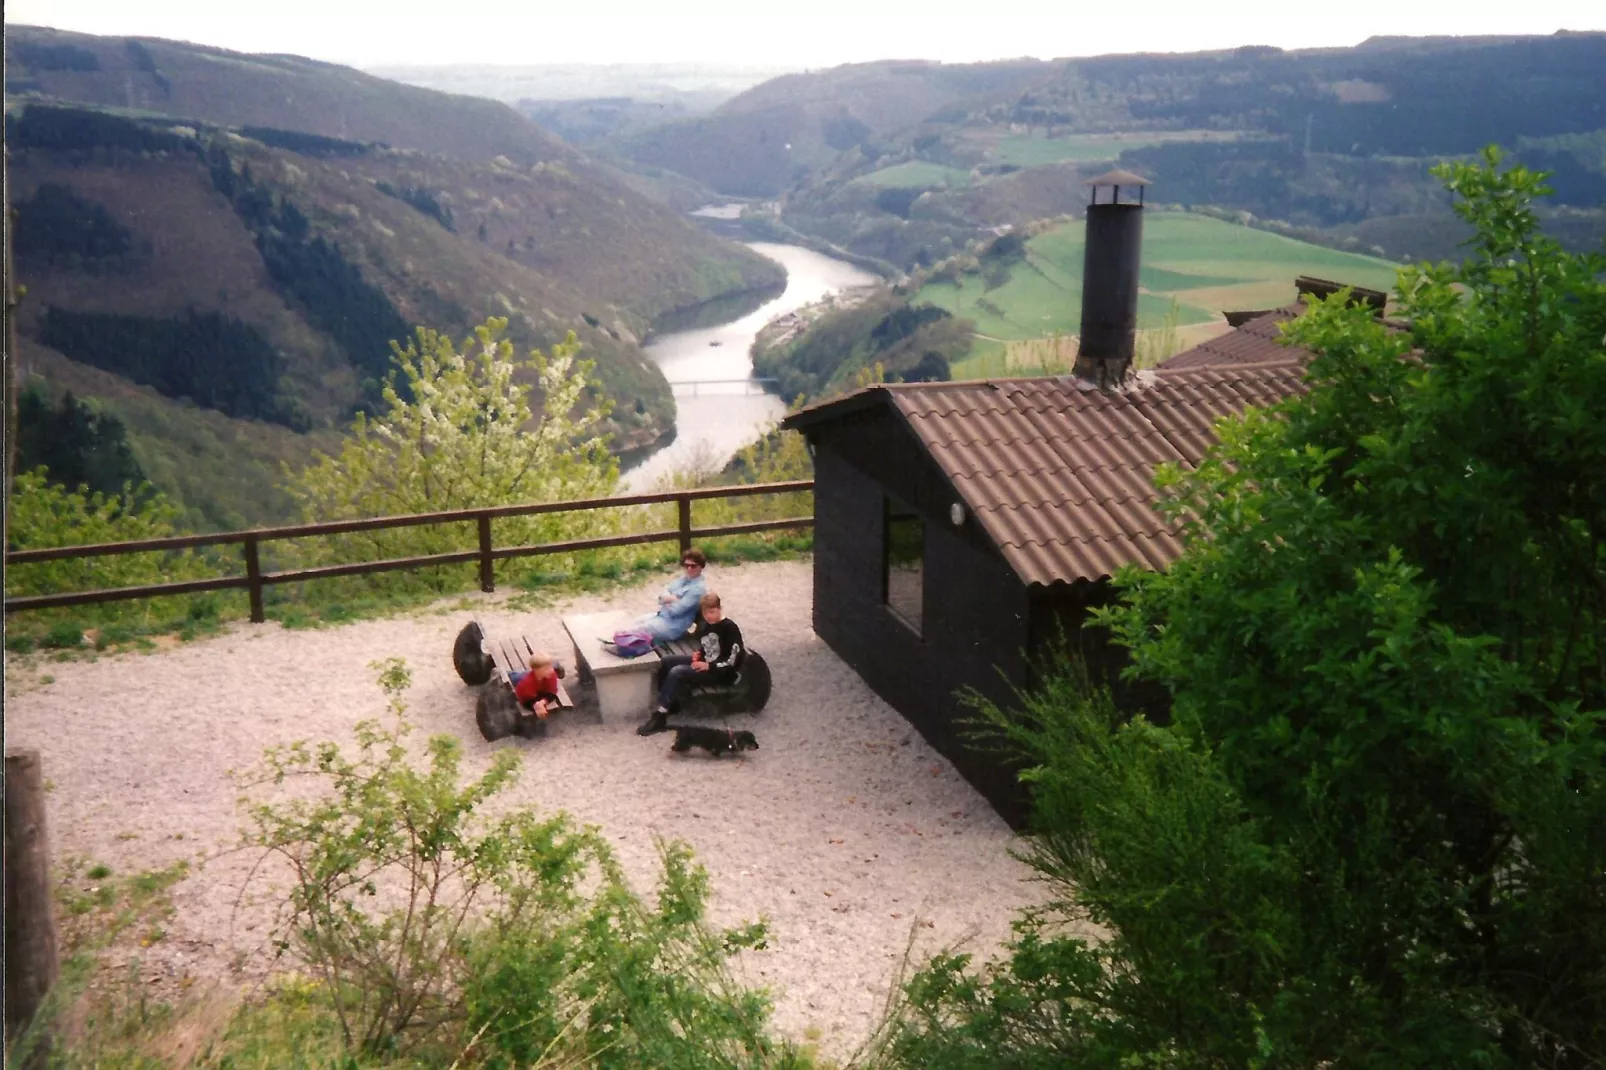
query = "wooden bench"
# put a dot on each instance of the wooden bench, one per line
(486, 662)
(513, 655)
(747, 693)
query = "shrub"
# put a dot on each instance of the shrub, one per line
(430, 926)
(452, 434)
(45, 515)
(1374, 833)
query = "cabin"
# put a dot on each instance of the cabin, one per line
(963, 529)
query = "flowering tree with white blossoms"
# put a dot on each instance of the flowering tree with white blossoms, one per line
(456, 432)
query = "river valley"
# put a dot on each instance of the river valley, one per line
(719, 408)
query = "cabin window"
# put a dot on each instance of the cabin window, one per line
(903, 563)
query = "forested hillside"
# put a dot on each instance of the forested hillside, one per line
(261, 271)
(781, 132)
(286, 92)
(905, 163)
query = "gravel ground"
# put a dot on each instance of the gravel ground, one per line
(845, 830)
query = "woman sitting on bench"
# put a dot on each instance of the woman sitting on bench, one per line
(677, 605)
(538, 687)
(717, 660)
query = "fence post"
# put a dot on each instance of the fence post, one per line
(684, 502)
(253, 575)
(487, 569)
(30, 926)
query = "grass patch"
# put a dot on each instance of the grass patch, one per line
(1034, 151)
(1207, 265)
(916, 174)
(1161, 280)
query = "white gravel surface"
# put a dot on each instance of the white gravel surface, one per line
(845, 829)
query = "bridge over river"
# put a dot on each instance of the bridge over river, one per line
(744, 387)
(720, 405)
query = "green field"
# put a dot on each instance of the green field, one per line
(916, 174)
(1206, 265)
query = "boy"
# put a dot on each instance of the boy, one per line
(717, 660)
(534, 689)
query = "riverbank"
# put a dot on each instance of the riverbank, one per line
(769, 228)
(710, 370)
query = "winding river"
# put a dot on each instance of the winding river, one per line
(723, 412)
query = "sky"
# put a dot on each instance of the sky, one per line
(797, 35)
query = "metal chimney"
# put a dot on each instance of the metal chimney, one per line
(1110, 279)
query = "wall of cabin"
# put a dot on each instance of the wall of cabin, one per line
(976, 611)
(1060, 623)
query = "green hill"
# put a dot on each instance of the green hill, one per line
(260, 272)
(1205, 265)
(908, 162)
(150, 75)
(783, 131)
(1012, 305)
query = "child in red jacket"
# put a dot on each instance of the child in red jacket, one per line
(538, 687)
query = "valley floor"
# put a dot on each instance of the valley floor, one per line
(845, 830)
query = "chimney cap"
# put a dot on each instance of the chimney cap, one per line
(1117, 178)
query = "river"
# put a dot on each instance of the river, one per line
(715, 421)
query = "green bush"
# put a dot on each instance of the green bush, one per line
(451, 434)
(1375, 831)
(46, 515)
(64, 635)
(434, 930)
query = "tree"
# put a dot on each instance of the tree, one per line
(1374, 833)
(454, 433)
(77, 443)
(43, 514)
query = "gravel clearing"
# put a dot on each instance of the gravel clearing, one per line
(845, 830)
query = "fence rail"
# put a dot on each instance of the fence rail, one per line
(486, 554)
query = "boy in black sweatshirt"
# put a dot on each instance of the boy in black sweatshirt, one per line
(717, 661)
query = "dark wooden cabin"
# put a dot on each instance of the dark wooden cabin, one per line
(963, 528)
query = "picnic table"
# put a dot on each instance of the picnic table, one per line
(624, 685)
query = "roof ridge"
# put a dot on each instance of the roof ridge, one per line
(1227, 369)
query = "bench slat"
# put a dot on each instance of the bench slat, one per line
(682, 647)
(503, 657)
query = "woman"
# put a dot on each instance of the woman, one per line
(677, 605)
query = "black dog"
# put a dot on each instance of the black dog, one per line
(715, 741)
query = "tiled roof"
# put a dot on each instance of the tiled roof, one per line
(1058, 473)
(1255, 342)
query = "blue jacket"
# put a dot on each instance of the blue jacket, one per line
(675, 619)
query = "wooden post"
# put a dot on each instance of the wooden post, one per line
(30, 926)
(9, 378)
(487, 566)
(253, 573)
(684, 503)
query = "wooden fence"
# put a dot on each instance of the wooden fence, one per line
(487, 555)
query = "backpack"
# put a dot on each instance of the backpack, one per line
(631, 643)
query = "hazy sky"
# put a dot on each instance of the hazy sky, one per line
(802, 33)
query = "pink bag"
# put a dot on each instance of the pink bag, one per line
(631, 643)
